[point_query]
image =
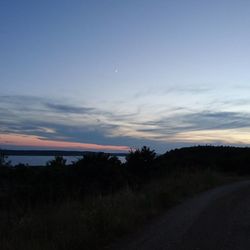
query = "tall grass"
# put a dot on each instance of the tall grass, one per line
(95, 222)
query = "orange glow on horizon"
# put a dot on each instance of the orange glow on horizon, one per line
(35, 141)
(228, 136)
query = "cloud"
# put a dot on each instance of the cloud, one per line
(188, 89)
(55, 120)
(35, 141)
(217, 120)
(177, 128)
(69, 109)
(205, 120)
(222, 136)
(174, 89)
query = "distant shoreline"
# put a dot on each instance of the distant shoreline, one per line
(7, 152)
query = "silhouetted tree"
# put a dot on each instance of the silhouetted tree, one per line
(100, 172)
(57, 162)
(140, 162)
(3, 160)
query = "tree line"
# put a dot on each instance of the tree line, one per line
(101, 173)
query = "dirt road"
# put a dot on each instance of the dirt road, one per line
(216, 220)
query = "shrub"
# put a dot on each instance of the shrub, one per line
(140, 162)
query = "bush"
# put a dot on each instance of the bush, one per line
(140, 162)
(58, 162)
(99, 172)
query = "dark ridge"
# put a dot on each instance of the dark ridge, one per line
(7, 152)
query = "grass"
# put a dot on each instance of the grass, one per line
(95, 222)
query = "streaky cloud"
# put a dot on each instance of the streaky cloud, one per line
(35, 141)
(68, 108)
(55, 120)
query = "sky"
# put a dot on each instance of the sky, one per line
(110, 75)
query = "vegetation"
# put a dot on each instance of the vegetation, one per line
(91, 202)
(3, 161)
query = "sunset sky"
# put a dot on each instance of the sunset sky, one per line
(115, 74)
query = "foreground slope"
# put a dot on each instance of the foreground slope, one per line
(217, 219)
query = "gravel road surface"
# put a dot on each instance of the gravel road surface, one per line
(218, 219)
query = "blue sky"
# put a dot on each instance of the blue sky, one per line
(124, 73)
